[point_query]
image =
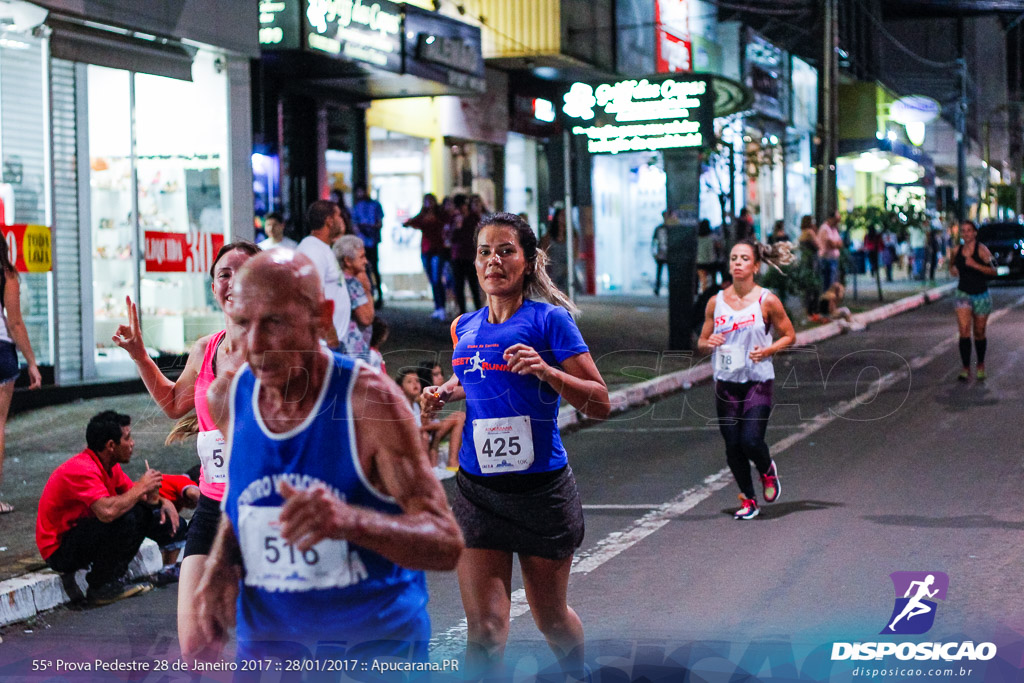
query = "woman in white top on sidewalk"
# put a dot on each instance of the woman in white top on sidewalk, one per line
(13, 338)
(738, 331)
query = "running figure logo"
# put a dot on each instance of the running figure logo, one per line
(914, 611)
(476, 364)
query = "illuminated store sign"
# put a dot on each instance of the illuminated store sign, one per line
(642, 115)
(446, 50)
(279, 24)
(359, 30)
(765, 71)
(367, 31)
(674, 50)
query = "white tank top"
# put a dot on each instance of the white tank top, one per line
(5, 335)
(743, 330)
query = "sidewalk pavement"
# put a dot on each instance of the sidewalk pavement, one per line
(626, 335)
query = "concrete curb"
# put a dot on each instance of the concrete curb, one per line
(25, 596)
(642, 393)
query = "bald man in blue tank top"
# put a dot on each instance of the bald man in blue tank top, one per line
(331, 511)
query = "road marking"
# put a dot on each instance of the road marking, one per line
(712, 426)
(637, 506)
(452, 642)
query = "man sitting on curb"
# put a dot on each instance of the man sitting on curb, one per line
(92, 514)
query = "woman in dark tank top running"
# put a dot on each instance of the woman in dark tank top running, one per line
(971, 262)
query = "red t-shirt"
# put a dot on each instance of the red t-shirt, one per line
(69, 494)
(172, 487)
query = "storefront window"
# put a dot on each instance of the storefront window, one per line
(157, 211)
(181, 147)
(629, 198)
(476, 168)
(400, 176)
(113, 212)
(25, 180)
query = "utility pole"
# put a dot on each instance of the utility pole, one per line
(828, 100)
(961, 126)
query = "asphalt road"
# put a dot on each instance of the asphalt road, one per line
(887, 464)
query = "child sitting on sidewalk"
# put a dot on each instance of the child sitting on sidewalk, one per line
(441, 427)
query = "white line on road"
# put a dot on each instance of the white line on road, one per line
(686, 428)
(637, 506)
(452, 642)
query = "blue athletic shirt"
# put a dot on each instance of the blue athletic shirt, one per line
(492, 391)
(337, 591)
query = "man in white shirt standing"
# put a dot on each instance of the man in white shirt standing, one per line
(275, 233)
(326, 225)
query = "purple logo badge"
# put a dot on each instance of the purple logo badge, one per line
(916, 593)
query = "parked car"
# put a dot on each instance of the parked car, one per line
(1006, 242)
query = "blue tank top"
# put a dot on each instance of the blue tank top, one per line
(511, 419)
(336, 592)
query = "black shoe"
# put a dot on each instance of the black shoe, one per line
(166, 576)
(118, 589)
(67, 579)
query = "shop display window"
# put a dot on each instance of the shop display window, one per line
(149, 184)
(400, 176)
(25, 175)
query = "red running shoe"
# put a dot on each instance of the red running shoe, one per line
(749, 510)
(770, 482)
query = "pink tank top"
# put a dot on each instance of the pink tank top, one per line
(203, 381)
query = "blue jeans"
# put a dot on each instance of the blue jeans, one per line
(918, 268)
(829, 272)
(433, 266)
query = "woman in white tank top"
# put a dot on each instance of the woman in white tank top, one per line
(737, 331)
(13, 338)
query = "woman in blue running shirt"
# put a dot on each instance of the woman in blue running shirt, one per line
(514, 360)
(738, 326)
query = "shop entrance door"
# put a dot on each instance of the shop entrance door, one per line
(399, 177)
(629, 198)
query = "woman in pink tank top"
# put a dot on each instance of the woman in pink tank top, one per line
(209, 356)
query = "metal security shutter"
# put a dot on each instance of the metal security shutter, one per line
(66, 236)
(77, 43)
(23, 141)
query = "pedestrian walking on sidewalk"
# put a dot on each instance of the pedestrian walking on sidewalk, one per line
(208, 358)
(470, 212)
(972, 264)
(515, 493)
(430, 222)
(368, 219)
(737, 332)
(830, 242)
(13, 338)
(659, 248)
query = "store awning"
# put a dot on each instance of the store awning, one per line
(79, 43)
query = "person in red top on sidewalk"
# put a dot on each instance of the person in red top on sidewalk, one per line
(92, 515)
(181, 490)
(430, 221)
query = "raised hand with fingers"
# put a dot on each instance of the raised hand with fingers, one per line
(129, 337)
(524, 360)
